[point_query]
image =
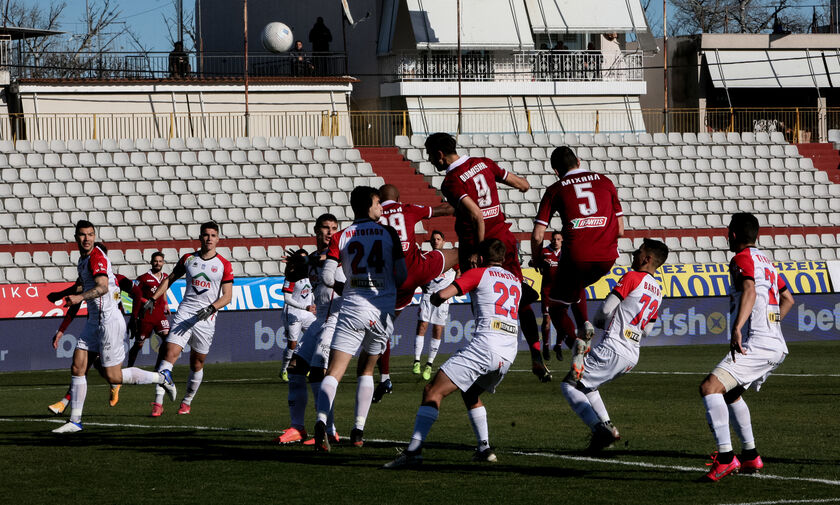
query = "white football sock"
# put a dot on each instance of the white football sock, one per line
(159, 391)
(287, 357)
(434, 346)
(419, 341)
(298, 398)
(364, 397)
(426, 417)
(718, 418)
(580, 404)
(326, 396)
(193, 382)
(478, 419)
(136, 375)
(597, 404)
(78, 392)
(739, 416)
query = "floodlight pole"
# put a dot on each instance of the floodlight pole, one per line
(458, 23)
(247, 114)
(665, 66)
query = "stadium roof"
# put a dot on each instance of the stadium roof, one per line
(774, 68)
(576, 16)
(18, 32)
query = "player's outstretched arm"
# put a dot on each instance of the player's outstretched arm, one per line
(517, 182)
(537, 237)
(473, 213)
(605, 313)
(71, 290)
(444, 294)
(744, 311)
(786, 303)
(100, 288)
(443, 209)
(328, 272)
(68, 318)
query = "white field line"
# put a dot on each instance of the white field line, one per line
(640, 464)
(781, 502)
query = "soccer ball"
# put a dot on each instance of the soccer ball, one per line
(277, 37)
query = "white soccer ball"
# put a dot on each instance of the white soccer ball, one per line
(277, 37)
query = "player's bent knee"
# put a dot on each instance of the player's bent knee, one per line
(316, 374)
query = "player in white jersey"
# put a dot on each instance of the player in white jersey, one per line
(372, 260)
(627, 313)
(209, 288)
(298, 307)
(311, 357)
(437, 316)
(104, 329)
(759, 300)
(483, 363)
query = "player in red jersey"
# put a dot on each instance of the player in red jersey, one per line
(126, 286)
(422, 267)
(146, 322)
(470, 187)
(550, 261)
(592, 223)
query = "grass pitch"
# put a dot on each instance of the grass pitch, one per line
(223, 451)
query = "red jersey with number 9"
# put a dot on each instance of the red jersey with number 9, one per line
(588, 205)
(367, 252)
(496, 293)
(476, 178)
(402, 218)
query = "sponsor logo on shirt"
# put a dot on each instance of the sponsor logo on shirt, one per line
(201, 283)
(589, 222)
(490, 212)
(631, 334)
(505, 327)
(774, 317)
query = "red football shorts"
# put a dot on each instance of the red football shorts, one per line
(573, 276)
(147, 326)
(422, 270)
(511, 263)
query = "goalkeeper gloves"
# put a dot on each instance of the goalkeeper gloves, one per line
(206, 312)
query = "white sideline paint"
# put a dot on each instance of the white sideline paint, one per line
(640, 464)
(780, 502)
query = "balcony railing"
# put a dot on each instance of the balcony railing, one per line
(151, 65)
(517, 66)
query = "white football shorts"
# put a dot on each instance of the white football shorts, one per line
(356, 327)
(431, 314)
(607, 361)
(104, 334)
(187, 330)
(473, 365)
(297, 322)
(750, 370)
(315, 344)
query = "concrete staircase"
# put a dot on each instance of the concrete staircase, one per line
(388, 163)
(825, 157)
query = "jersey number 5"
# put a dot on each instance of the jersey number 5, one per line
(583, 192)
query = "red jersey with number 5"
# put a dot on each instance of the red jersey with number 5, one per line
(763, 328)
(403, 218)
(588, 205)
(641, 297)
(367, 252)
(476, 178)
(496, 293)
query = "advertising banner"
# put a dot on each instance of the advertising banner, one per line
(257, 335)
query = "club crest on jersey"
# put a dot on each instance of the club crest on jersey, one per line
(214, 269)
(201, 283)
(589, 222)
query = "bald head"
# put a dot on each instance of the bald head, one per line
(389, 192)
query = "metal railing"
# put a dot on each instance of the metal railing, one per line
(372, 128)
(515, 66)
(160, 65)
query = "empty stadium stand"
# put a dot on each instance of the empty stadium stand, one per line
(146, 195)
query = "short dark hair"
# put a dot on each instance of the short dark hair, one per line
(209, 225)
(745, 227)
(323, 218)
(556, 232)
(156, 254)
(442, 142)
(361, 199)
(83, 223)
(492, 250)
(563, 159)
(437, 232)
(657, 249)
